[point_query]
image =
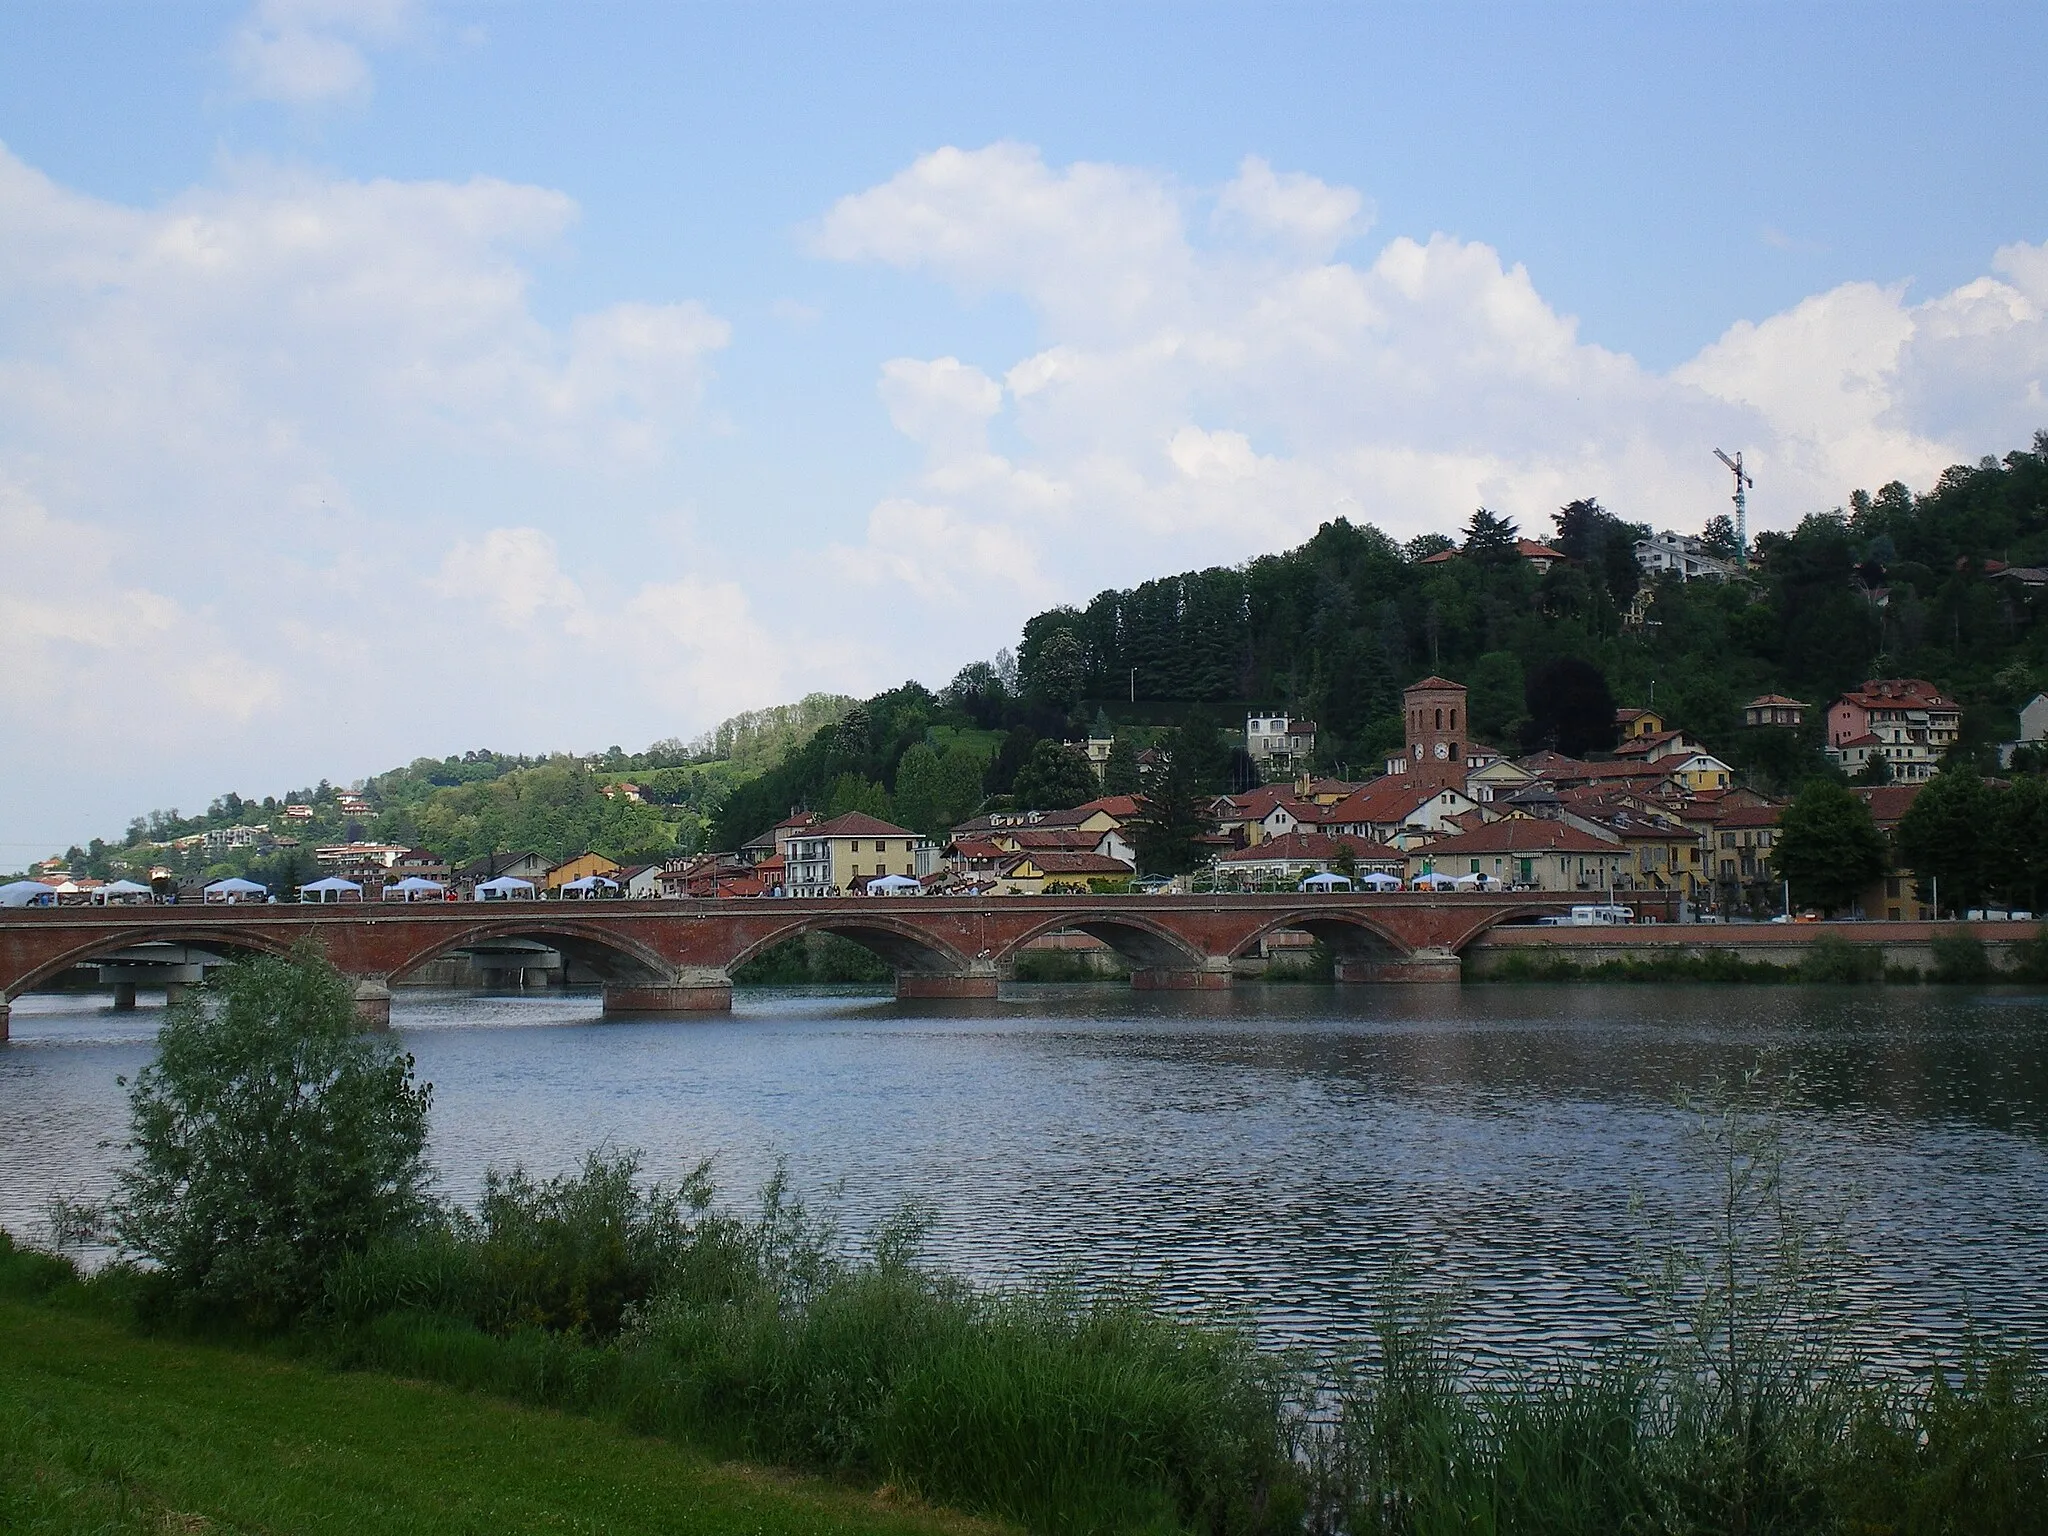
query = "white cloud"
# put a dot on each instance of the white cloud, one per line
(1194, 400)
(306, 52)
(298, 476)
(78, 645)
(1301, 211)
(273, 434)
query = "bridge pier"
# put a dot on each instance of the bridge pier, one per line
(373, 1003)
(1213, 975)
(979, 980)
(1430, 964)
(696, 989)
(124, 997)
(5, 1009)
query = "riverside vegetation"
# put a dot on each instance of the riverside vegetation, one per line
(645, 1306)
(1959, 958)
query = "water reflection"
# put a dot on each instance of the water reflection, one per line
(1272, 1148)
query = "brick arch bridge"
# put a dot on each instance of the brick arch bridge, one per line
(676, 956)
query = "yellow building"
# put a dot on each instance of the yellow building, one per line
(1700, 771)
(1639, 722)
(828, 857)
(576, 868)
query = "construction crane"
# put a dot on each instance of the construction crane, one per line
(1742, 483)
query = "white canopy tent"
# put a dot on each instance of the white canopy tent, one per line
(120, 893)
(893, 885)
(1434, 882)
(1326, 880)
(588, 886)
(505, 888)
(27, 893)
(1380, 880)
(333, 888)
(415, 888)
(234, 889)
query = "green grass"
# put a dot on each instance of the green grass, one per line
(102, 1430)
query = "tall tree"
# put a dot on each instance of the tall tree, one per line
(272, 1137)
(1120, 772)
(1175, 812)
(919, 792)
(1490, 537)
(1719, 537)
(1950, 834)
(1827, 846)
(1570, 708)
(2022, 840)
(1054, 778)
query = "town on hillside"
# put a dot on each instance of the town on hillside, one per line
(1658, 821)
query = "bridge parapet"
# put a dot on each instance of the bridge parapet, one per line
(677, 956)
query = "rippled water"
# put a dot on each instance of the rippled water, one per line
(1276, 1148)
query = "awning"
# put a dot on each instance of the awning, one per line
(235, 885)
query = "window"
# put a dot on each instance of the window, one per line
(1439, 719)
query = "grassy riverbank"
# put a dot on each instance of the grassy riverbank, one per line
(102, 1430)
(505, 1379)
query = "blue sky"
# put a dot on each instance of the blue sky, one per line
(383, 377)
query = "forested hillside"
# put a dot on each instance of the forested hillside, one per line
(483, 802)
(1889, 584)
(1892, 584)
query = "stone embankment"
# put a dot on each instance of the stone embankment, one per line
(1903, 946)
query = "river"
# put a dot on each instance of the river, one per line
(1277, 1149)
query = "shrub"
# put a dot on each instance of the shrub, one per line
(572, 1254)
(2030, 956)
(1832, 959)
(271, 1137)
(1961, 957)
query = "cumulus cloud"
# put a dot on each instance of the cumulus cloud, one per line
(288, 444)
(1209, 385)
(76, 642)
(308, 52)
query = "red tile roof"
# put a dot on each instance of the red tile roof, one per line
(1123, 807)
(1523, 834)
(1890, 692)
(1060, 863)
(1737, 817)
(1313, 846)
(858, 824)
(1381, 803)
(1887, 802)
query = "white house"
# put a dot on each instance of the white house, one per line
(2033, 729)
(1681, 554)
(1279, 741)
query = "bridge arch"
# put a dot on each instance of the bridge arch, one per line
(1494, 917)
(598, 948)
(227, 940)
(1350, 934)
(903, 944)
(1146, 943)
